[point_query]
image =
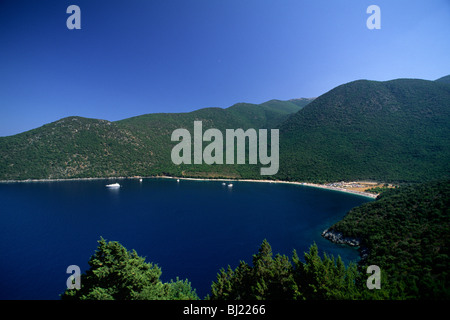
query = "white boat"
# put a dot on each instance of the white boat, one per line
(178, 180)
(140, 180)
(113, 185)
(223, 183)
(230, 185)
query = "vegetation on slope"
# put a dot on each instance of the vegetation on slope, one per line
(367, 130)
(392, 131)
(72, 147)
(406, 231)
(445, 79)
(77, 147)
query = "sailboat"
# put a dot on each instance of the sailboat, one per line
(113, 185)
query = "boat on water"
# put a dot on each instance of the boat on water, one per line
(113, 185)
(230, 185)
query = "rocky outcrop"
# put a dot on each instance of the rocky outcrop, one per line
(339, 238)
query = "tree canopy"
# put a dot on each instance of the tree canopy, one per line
(118, 274)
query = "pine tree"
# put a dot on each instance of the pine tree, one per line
(118, 274)
(267, 279)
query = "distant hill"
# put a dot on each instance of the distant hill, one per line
(445, 79)
(77, 147)
(396, 130)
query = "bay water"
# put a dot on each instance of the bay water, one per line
(190, 229)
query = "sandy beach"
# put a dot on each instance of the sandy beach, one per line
(322, 186)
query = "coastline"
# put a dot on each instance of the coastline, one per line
(308, 184)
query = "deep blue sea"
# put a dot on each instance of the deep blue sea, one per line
(190, 229)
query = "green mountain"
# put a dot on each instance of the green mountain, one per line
(77, 147)
(390, 131)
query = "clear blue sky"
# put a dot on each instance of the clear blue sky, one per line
(135, 57)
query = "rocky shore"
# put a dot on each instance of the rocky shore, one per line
(339, 238)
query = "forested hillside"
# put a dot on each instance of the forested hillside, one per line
(77, 147)
(406, 232)
(390, 131)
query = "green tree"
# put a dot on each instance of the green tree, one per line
(326, 278)
(279, 279)
(272, 278)
(267, 279)
(118, 274)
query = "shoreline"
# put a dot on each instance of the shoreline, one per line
(308, 184)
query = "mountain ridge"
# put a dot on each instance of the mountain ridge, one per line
(80, 147)
(389, 131)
